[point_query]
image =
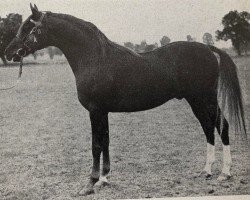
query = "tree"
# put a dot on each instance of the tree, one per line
(190, 38)
(208, 39)
(139, 48)
(51, 52)
(35, 55)
(164, 40)
(8, 30)
(129, 45)
(143, 45)
(57, 51)
(236, 28)
(151, 47)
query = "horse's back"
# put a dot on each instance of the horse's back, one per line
(192, 65)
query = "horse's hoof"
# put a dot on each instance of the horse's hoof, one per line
(223, 177)
(206, 175)
(86, 191)
(103, 181)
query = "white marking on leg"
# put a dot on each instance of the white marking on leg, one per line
(104, 178)
(102, 181)
(210, 158)
(227, 160)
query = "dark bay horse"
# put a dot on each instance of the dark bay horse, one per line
(112, 78)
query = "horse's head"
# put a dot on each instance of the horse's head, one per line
(31, 36)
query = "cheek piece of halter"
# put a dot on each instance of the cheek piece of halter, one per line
(30, 37)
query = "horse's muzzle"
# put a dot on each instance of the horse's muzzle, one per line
(17, 56)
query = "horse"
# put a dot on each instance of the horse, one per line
(112, 78)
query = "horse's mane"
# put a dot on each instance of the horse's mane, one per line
(102, 40)
(84, 25)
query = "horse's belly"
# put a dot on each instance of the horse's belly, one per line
(143, 93)
(134, 104)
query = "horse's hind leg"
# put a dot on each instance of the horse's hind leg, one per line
(205, 109)
(227, 160)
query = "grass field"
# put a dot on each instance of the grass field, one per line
(45, 146)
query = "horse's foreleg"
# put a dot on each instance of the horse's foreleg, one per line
(106, 160)
(98, 124)
(105, 153)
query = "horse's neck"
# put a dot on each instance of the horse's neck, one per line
(79, 48)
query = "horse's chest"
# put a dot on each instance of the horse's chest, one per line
(94, 91)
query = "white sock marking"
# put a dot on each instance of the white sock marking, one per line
(227, 160)
(103, 178)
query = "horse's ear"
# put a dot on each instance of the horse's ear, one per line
(34, 10)
(31, 7)
(35, 7)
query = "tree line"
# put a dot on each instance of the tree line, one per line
(144, 47)
(8, 29)
(236, 28)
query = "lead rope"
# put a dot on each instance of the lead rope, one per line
(18, 78)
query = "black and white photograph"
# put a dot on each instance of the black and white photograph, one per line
(124, 99)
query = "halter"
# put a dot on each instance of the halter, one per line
(22, 52)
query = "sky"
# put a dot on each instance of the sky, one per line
(136, 20)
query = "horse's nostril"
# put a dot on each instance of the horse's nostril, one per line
(21, 52)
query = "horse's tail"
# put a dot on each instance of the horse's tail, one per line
(229, 91)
